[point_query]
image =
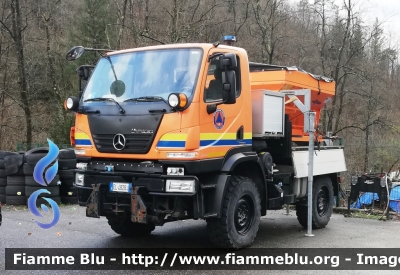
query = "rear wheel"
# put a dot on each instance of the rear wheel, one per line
(126, 228)
(240, 217)
(322, 204)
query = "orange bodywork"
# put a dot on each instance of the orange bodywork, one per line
(281, 80)
(205, 135)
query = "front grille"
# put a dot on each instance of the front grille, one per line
(135, 143)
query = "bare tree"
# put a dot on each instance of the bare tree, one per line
(16, 30)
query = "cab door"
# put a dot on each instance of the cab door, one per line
(223, 129)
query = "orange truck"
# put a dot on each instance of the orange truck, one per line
(196, 131)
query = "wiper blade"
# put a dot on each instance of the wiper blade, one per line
(106, 99)
(96, 99)
(147, 98)
(157, 111)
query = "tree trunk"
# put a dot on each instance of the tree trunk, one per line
(122, 25)
(19, 48)
(366, 157)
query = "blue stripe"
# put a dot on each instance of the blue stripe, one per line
(83, 142)
(171, 144)
(225, 142)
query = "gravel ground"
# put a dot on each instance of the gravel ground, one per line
(277, 230)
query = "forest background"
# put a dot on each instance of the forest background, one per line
(327, 37)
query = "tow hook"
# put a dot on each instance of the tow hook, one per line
(139, 210)
(92, 208)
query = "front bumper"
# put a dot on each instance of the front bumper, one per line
(143, 200)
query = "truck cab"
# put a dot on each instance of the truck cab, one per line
(173, 132)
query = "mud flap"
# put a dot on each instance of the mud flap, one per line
(92, 205)
(139, 211)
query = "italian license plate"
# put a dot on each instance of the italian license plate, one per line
(120, 187)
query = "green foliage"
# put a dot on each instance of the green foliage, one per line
(95, 29)
(59, 132)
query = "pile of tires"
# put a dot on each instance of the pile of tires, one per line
(31, 158)
(3, 176)
(66, 166)
(15, 181)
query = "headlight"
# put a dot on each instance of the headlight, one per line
(181, 186)
(175, 171)
(178, 101)
(173, 100)
(79, 179)
(71, 103)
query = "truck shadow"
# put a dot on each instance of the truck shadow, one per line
(193, 234)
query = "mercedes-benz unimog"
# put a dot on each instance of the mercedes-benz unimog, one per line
(196, 131)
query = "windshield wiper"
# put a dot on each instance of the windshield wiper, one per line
(147, 98)
(106, 99)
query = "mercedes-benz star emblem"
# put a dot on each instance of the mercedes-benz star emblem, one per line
(119, 142)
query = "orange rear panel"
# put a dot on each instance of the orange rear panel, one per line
(279, 80)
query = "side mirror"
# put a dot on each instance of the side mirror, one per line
(229, 87)
(84, 71)
(75, 52)
(228, 60)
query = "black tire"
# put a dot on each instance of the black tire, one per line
(123, 226)
(68, 191)
(322, 204)
(41, 201)
(32, 159)
(15, 181)
(2, 164)
(68, 153)
(2, 198)
(66, 164)
(54, 190)
(16, 200)
(231, 231)
(2, 190)
(15, 191)
(3, 173)
(30, 181)
(69, 200)
(66, 174)
(4, 154)
(67, 182)
(34, 151)
(3, 182)
(20, 172)
(28, 169)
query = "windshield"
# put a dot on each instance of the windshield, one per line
(156, 73)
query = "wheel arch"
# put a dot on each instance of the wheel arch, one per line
(253, 170)
(245, 164)
(248, 164)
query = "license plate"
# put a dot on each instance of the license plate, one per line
(120, 187)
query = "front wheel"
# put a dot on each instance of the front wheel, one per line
(322, 204)
(240, 216)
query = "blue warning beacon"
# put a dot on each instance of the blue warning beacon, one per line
(229, 39)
